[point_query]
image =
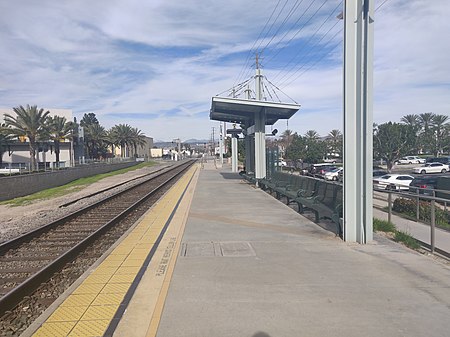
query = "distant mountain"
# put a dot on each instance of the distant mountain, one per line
(196, 141)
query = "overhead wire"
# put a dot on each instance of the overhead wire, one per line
(254, 43)
(302, 27)
(291, 12)
(307, 42)
(284, 84)
(268, 31)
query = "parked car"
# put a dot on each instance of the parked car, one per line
(320, 168)
(431, 168)
(443, 160)
(410, 160)
(424, 184)
(393, 182)
(379, 173)
(333, 174)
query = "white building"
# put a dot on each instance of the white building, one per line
(19, 153)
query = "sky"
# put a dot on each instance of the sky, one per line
(156, 64)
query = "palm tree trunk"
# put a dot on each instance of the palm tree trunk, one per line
(33, 155)
(57, 151)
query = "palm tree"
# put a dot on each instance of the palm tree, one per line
(58, 129)
(95, 139)
(411, 119)
(440, 123)
(5, 139)
(312, 135)
(426, 137)
(138, 139)
(285, 141)
(28, 122)
(335, 141)
(122, 135)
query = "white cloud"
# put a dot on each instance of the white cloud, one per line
(163, 60)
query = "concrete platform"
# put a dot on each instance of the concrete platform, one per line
(251, 266)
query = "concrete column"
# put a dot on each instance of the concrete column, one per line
(234, 154)
(358, 134)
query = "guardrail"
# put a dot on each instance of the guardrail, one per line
(434, 202)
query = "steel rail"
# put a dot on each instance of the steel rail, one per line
(13, 243)
(16, 295)
(112, 187)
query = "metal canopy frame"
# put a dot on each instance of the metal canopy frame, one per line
(255, 115)
(241, 111)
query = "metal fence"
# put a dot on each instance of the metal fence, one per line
(422, 197)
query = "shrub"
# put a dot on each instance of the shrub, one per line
(409, 207)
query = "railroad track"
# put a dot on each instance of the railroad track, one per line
(31, 259)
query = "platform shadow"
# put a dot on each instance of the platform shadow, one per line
(228, 175)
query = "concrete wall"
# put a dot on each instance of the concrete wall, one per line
(18, 186)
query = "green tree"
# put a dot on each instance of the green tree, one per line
(29, 122)
(89, 119)
(58, 129)
(391, 141)
(308, 149)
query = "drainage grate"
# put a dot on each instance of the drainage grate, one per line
(216, 249)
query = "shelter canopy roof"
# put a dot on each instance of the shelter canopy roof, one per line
(234, 110)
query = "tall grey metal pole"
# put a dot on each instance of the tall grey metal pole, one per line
(248, 141)
(358, 116)
(260, 132)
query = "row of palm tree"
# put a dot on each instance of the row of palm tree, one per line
(36, 126)
(431, 130)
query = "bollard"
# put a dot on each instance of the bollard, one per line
(433, 224)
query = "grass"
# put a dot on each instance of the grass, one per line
(406, 239)
(71, 187)
(399, 236)
(383, 226)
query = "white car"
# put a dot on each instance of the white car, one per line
(333, 174)
(431, 168)
(411, 160)
(392, 182)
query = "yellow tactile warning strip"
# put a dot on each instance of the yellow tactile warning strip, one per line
(88, 311)
(143, 315)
